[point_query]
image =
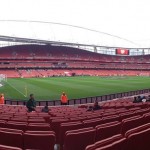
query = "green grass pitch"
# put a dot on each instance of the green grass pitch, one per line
(75, 87)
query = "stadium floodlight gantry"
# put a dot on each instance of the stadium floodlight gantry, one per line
(14, 32)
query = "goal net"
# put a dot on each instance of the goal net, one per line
(3, 78)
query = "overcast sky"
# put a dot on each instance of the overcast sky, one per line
(129, 19)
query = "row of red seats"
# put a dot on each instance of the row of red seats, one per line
(74, 64)
(79, 115)
(98, 124)
(68, 72)
(43, 140)
(136, 138)
(25, 126)
(72, 139)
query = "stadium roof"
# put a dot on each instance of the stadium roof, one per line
(52, 33)
(109, 23)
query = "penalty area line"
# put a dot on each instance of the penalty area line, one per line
(16, 89)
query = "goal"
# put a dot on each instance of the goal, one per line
(3, 78)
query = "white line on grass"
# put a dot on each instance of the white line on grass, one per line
(16, 89)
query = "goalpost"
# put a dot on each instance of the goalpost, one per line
(3, 78)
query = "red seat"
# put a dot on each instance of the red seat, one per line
(79, 139)
(142, 111)
(38, 127)
(92, 122)
(139, 140)
(104, 142)
(16, 125)
(137, 129)
(40, 132)
(66, 127)
(135, 109)
(39, 141)
(36, 120)
(19, 119)
(11, 138)
(117, 145)
(127, 115)
(93, 116)
(147, 118)
(109, 114)
(4, 147)
(11, 130)
(44, 115)
(5, 118)
(2, 123)
(78, 118)
(107, 130)
(55, 124)
(132, 122)
(111, 118)
(35, 117)
(123, 110)
(33, 114)
(56, 118)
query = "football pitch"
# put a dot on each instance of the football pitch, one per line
(74, 87)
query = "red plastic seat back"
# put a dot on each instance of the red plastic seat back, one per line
(79, 140)
(39, 141)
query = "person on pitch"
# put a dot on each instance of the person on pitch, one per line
(64, 99)
(2, 99)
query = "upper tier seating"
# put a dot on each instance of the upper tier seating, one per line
(44, 61)
(60, 52)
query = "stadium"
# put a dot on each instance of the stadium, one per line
(74, 83)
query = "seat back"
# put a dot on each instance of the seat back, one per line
(39, 141)
(11, 138)
(139, 140)
(38, 127)
(79, 140)
(32, 120)
(66, 127)
(55, 125)
(130, 123)
(104, 142)
(92, 122)
(16, 125)
(4, 147)
(142, 111)
(107, 130)
(2, 123)
(137, 129)
(111, 118)
(147, 118)
(40, 132)
(126, 115)
(117, 145)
